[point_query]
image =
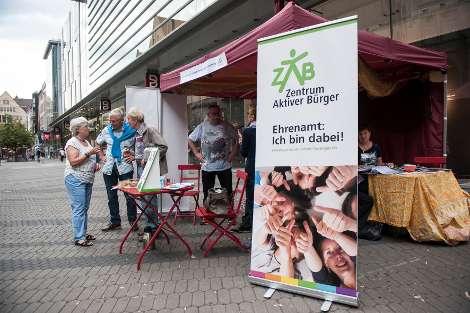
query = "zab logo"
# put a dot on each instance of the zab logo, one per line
(307, 71)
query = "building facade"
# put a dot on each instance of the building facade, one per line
(104, 46)
(8, 106)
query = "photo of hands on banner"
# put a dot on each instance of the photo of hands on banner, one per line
(305, 223)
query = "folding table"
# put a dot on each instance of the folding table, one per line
(137, 197)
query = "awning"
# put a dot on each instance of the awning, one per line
(237, 78)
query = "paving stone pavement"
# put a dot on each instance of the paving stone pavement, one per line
(42, 271)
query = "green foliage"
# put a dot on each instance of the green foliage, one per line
(13, 134)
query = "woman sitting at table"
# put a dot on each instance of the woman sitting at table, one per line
(369, 153)
(79, 177)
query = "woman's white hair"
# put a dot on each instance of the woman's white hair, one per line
(136, 114)
(117, 112)
(76, 123)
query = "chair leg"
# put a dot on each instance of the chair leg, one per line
(196, 199)
(223, 231)
(177, 210)
(216, 227)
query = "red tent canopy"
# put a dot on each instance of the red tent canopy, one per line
(390, 58)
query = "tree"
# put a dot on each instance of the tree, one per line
(13, 134)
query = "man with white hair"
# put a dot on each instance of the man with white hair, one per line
(118, 136)
(146, 134)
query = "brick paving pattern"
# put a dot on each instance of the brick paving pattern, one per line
(42, 271)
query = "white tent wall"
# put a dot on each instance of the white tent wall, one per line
(167, 113)
(175, 131)
(148, 100)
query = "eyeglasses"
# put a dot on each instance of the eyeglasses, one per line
(115, 121)
(85, 126)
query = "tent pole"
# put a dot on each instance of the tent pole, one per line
(391, 20)
(444, 137)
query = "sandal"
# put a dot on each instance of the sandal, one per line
(90, 237)
(84, 243)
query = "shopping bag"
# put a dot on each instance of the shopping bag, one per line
(217, 201)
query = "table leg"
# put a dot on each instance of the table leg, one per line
(134, 199)
(164, 222)
(147, 205)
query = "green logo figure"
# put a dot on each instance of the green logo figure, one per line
(307, 71)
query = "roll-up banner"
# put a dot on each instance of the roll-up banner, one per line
(305, 214)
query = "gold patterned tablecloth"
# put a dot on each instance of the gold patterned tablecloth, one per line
(432, 207)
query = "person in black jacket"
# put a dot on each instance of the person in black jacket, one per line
(247, 150)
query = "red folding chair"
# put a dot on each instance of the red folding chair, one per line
(232, 216)
(186, 176)
(430, 160)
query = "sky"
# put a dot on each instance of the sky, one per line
(25, 28)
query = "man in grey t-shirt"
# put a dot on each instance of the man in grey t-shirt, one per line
(216, 156)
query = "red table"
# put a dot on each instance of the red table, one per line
(135, 196)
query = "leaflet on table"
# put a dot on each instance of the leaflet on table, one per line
(177, 186)
(378, 170)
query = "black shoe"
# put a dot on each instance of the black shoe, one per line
(241, 229)
(111, 227)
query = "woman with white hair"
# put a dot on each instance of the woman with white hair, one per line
(79, 177)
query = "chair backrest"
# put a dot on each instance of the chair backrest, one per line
(241, 176)
(430, 160)
(185, 174)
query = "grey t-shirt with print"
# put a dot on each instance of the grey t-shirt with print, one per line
(214, 144)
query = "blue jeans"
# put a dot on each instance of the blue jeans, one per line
(153, 203)
(79, 196)
(113, 203)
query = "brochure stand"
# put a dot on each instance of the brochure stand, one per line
(150, 179)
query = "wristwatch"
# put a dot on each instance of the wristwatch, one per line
(87, 155)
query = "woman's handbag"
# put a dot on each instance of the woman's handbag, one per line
(217, 201)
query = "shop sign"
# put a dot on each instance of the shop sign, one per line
(105, 105)
(57, 136)
(47, 136)
(57, 130)
(67, 124)
(151, 80)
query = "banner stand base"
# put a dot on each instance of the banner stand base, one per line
(327, 296)
(326, 306)
(269, 293)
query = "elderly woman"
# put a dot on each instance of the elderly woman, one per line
(79, 177)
